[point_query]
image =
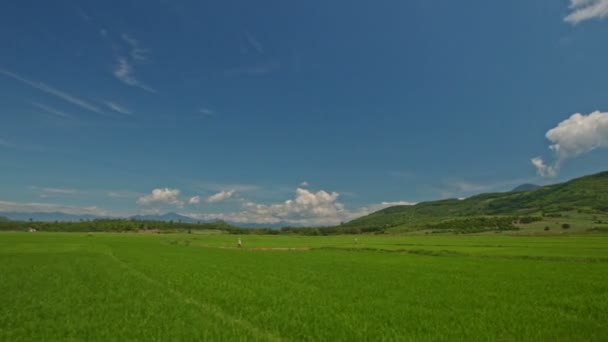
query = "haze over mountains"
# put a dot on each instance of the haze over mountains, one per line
(588, 193)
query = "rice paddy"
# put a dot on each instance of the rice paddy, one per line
(76, 286)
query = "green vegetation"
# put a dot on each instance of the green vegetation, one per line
(582, 202)
(587, 195)
(476, 225)
(129, 225)
(99, 286)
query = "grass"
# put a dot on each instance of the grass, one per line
(589, 193)
(76, 286)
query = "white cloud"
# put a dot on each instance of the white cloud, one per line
(194, 200)
(306, 208)
(52, 91)
(124, 72)
(60, 191)
(207, 112)
(51, 110)
(573, 137)
(220, 187)
(49, 208)
(162, 196)
(137, 52)
(587, 9)
(543, 169)
(118, 108)
(304, 183)
(220, 196)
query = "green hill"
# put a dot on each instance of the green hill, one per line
(525, 187)
(585, 194)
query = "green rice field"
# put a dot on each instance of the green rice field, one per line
(182, 287)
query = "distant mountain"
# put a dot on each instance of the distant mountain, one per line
(49, 217)
(525, 187)
(186, 219)
(166, 218)
(585, 193)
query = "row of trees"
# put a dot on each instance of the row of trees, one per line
(472, 224)
(125, 225)
(481, 224)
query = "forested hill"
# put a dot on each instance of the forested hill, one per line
(589, 193)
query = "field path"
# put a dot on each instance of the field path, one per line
(212, 309)
(259, 248)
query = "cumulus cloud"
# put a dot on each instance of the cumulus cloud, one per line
(543, 169)
(194, 200)
(304, 183)
(573, 137)
(307, 208)
(220, 196)
(162, 196)
(587, 9)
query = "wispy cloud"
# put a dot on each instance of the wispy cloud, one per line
(217, 187)
(33, 207)
(50, 191)
(122, 194)
(459, 187)
(137, 52)
(5, 143)
(123, 71)
(22, 146)
(254, 42)
(586, 10)
(52, 91)
(207, 111)
(60, 191)
(51, 110)
(255, 70)
(118, 108)
(220, 196)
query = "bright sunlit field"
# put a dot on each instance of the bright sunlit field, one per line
(71, 286)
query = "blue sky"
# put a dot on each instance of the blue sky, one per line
(300, 112)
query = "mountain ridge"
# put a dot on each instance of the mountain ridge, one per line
(583, 193)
